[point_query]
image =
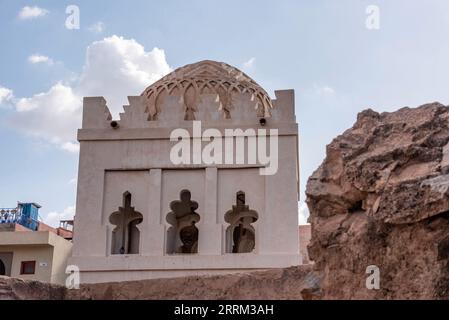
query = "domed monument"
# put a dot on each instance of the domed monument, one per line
(199, 175)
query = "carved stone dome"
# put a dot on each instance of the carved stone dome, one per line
(205, 77)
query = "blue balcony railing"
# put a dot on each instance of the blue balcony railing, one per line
(10, 215)
(14, 215)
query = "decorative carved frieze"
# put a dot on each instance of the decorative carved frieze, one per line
(205, 77)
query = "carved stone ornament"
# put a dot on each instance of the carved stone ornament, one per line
(203, 77)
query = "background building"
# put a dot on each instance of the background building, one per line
(30, 249)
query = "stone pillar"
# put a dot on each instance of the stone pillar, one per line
(153, 227)
(210, 231)
(279, 227)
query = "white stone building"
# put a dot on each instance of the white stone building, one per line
(147, 208)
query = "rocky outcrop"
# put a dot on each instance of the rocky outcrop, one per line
(17, 289)
(291, 283)
(271, 284)
(381, 198)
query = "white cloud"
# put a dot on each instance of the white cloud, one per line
(115, 68)
(303, 213)
(97, 27)
(324, 90)
(250, 63)
(73, 181)
(53, 218)
(6, 95)
(27, 12)
(53, 115)
(37, 58)
(71, 147)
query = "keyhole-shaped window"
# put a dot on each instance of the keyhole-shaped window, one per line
(240, 235)
(125, 235)
(182, 236)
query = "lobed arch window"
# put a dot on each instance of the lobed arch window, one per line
(182, 236)
(126, 235)
(240, 235)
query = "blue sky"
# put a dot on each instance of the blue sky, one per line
(322, 49)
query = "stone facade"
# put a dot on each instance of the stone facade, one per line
(140, 215)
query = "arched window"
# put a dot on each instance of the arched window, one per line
(126, 235)
(182, 236)
(2, 268)
(240, 235)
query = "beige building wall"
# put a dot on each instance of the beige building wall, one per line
(62, 250)
(42, 254)
(48, 250)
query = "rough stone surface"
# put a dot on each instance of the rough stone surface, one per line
(289, 283)
(381, 197)
(273, 284)
(17, 289)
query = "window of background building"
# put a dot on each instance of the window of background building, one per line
(28, 267)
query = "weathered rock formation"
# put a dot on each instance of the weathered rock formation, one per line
(17, 289)
(381, 197)
(290, 283)
(271, 284)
